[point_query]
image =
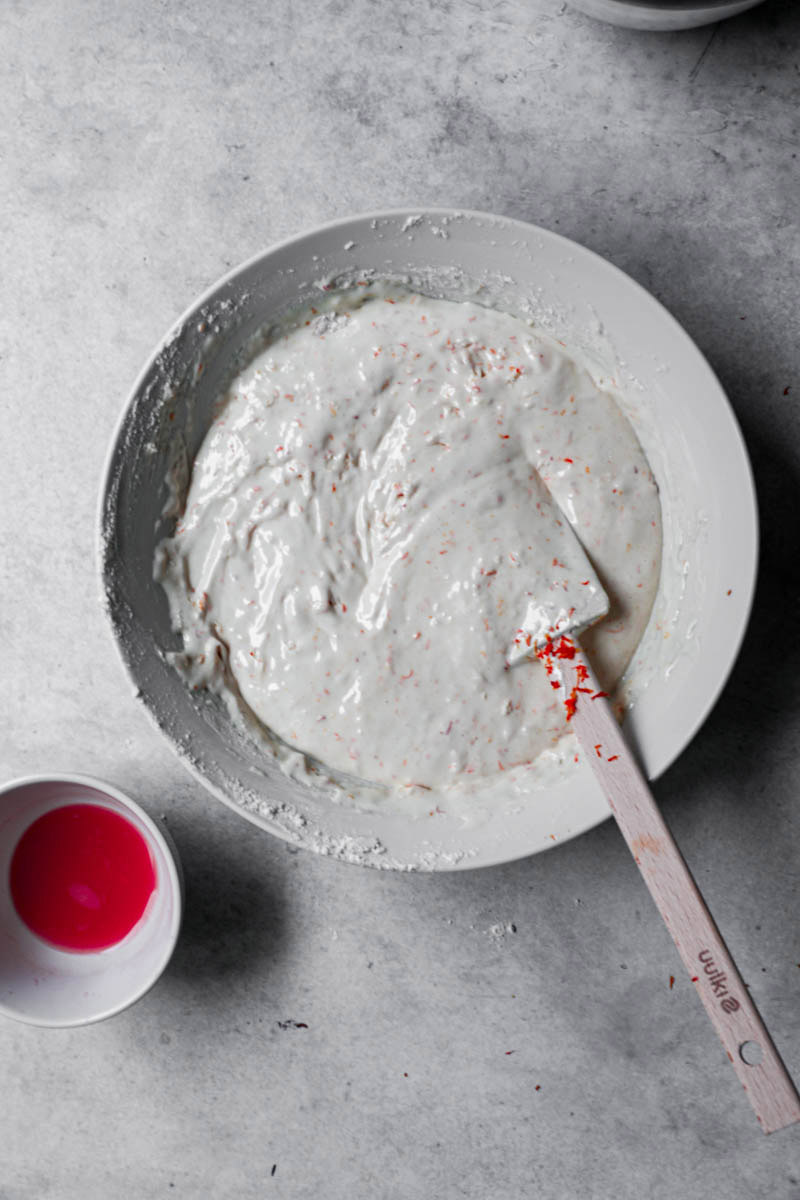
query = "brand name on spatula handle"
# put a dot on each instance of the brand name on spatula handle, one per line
(719, 982)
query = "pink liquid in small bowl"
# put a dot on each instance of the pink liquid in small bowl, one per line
(81, 877)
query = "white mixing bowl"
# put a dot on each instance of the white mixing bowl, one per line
(671, 395)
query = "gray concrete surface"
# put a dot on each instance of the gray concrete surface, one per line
(145, 149)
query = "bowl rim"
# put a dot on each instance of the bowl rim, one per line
(678, 6)
(749, 536)
(174, 871)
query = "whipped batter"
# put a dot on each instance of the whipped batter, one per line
(364, 520)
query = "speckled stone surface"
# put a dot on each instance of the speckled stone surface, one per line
(148, 147)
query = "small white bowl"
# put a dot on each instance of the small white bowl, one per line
(42, 985)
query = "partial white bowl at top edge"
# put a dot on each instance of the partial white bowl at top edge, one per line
(605, 319)
(662, 16)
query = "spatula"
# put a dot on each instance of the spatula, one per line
(560, 605)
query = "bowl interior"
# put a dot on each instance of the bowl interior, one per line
(675, 402)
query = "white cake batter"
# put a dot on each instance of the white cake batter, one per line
(361, 531)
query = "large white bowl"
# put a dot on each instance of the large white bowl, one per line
(671, 394)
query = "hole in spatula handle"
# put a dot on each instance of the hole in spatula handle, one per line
(751, 1053)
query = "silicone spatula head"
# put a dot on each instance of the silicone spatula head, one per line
(563, 594)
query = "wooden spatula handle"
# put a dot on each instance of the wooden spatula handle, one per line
(713, 972)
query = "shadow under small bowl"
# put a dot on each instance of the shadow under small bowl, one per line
(42, 985)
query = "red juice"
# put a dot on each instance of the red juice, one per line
(81, 877)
